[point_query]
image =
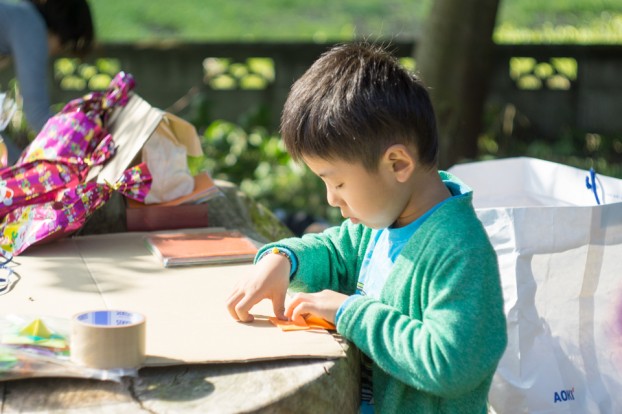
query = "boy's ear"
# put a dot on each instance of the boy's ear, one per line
(400, 160)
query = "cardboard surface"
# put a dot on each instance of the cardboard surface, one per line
(187, 321)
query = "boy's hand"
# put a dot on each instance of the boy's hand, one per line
(269, 280)
(323, 304)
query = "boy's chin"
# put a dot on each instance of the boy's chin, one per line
(375, 226)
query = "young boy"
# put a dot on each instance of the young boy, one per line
(410, 276)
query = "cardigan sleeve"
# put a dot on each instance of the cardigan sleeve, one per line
(454, 342)
(328, 260)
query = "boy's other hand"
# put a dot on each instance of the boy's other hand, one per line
(269, 280)
(323, 304)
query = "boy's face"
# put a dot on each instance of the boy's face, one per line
(371, 198)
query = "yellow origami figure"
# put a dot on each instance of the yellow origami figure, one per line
(37, 334)
(37, 330)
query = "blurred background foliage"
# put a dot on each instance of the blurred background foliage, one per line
(527, 21)
(249, 154)
(257, 161)
(508, 134)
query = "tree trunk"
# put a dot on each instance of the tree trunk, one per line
(453, 58)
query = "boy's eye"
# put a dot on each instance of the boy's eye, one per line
(339, 186)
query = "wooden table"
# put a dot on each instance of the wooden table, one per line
(284, 385)
(287, 386)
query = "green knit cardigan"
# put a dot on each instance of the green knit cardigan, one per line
(438, 330)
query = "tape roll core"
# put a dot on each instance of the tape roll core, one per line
(106, 339)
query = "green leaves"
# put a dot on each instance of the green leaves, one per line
(256, 160)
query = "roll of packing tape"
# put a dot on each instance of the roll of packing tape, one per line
(106, 339)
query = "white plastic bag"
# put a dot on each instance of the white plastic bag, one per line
(560, 256)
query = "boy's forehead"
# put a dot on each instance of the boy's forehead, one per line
(320, 166)
(329, 167)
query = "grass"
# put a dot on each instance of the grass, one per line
(569, 21)
(560, 21)
(198, 20)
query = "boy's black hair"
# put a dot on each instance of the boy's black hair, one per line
(353, 103)
(70, 20)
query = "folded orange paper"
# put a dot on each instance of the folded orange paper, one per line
(311, 322)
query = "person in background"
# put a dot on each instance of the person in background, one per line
(31, 31)
(410, 277)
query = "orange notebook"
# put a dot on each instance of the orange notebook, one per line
(215, 247)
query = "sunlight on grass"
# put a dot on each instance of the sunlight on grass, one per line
(606, 30)
(240, 20)
(519, 21)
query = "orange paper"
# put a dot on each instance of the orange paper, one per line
(311, 322)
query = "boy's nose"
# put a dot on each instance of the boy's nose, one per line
(332, 199)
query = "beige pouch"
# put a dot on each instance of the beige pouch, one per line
(165, 153)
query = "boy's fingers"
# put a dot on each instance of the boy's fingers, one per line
(244, 306)
(278, 305)
(238, 306)
(296, 299)
(232, 301)
(298, 313)
(299, 307)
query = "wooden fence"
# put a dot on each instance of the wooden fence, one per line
(551, 87)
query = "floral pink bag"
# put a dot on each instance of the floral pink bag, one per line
(44, 195)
